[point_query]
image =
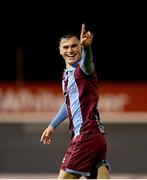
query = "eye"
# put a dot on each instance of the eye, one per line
(65, 47)
(74, 46)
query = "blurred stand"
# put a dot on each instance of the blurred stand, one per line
(26, 109)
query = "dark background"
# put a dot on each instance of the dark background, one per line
(118, 47)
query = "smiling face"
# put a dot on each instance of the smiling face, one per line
(70, 48)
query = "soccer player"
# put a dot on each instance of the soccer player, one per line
(86, 153)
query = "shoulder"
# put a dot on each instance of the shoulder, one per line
(80, 73)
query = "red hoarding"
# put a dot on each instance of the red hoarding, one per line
(40, 101)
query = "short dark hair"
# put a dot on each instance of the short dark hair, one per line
(68, 35)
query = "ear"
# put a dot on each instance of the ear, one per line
(60, 50)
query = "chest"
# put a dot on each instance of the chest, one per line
(69, 84)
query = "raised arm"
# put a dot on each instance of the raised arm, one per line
(86, 64)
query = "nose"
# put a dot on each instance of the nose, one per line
(70, 49)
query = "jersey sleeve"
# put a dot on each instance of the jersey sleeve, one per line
(60, 116)
(86, 63)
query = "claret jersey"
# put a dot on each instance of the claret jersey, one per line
(80, 91)
(81, 105)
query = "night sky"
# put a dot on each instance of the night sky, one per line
(118, 44)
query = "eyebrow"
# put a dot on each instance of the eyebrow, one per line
(72, 45)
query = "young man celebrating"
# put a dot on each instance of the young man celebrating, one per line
(86, 153)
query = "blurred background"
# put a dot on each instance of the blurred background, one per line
(30, 85)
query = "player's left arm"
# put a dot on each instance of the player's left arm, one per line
(86, 63)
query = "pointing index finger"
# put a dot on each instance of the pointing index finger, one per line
(83, 30)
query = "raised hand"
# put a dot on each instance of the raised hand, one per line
(85, 37)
